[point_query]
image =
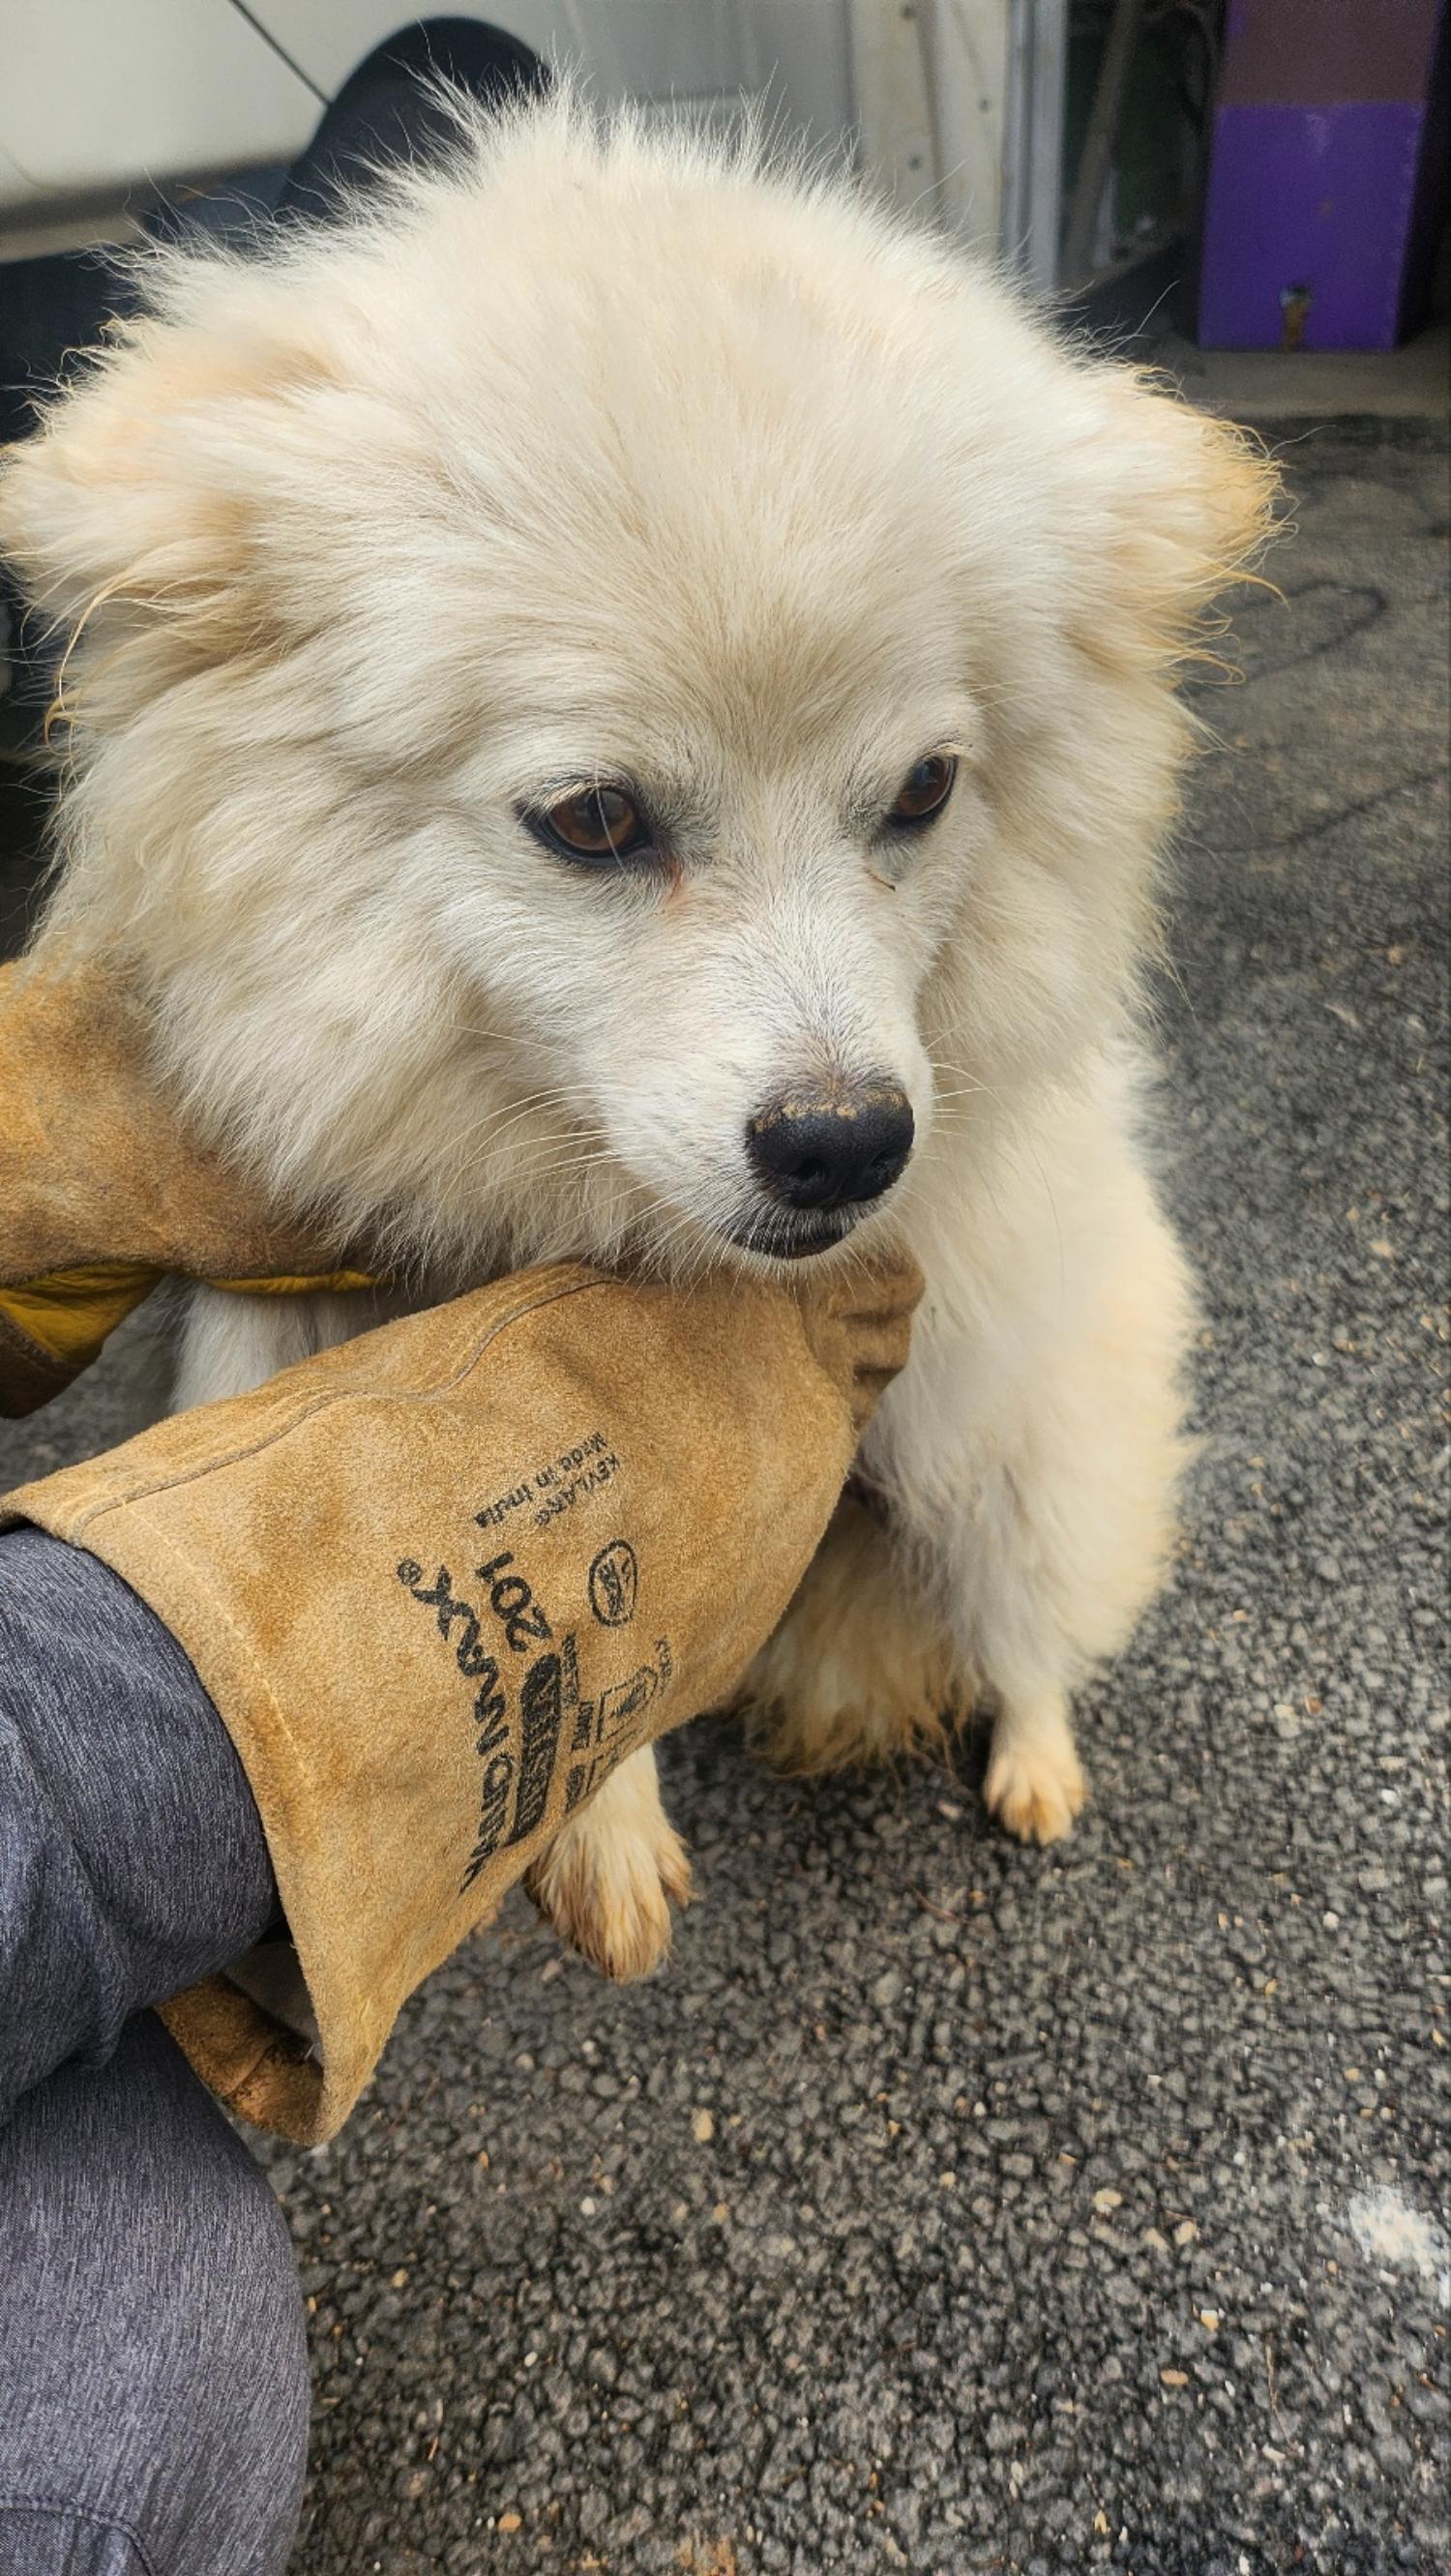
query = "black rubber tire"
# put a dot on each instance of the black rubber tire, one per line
(384, 114)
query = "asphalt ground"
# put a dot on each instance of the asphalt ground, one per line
(951, 2207)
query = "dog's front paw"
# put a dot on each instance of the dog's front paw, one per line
(609, 1895)
(1035, 1785)
(611, 1875)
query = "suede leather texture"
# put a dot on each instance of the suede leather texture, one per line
(101, 1189)
(440, 1580)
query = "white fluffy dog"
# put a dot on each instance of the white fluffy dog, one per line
(621, 703)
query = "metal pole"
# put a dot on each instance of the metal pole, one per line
(1098, 143)
(1045, 151)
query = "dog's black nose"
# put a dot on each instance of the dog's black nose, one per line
(831, 1148)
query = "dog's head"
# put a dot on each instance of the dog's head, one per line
(615, 696)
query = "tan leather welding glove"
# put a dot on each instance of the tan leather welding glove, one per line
(440, 1580)
(102, 1191)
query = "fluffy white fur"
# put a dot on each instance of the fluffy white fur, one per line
(605, 454)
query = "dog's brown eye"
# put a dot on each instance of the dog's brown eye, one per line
(925, 790)
(601, 824)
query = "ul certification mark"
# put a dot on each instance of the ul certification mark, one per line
(614, 1580)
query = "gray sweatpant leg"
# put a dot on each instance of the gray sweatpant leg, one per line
(153, 2371)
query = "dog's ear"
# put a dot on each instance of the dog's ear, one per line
(1176, 506)
(130, 513)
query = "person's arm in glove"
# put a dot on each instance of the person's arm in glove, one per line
(440, 1581)
(132, 1856)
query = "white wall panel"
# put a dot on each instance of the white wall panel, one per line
(96, 94)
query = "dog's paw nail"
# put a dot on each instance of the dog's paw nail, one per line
(673, 1863)
(1035, 1796)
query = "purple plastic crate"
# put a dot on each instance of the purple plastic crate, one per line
(1322, 205)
